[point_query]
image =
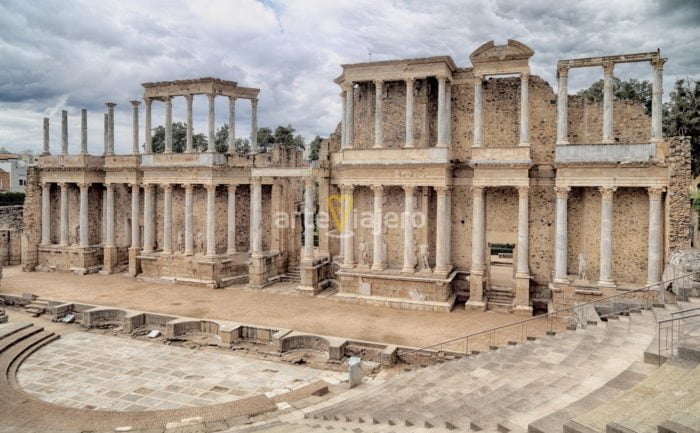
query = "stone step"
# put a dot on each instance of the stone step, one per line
(13, 338)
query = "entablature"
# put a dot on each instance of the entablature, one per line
(198, 86)
(392, 156)
(434, 175)
(84, 162)
(614, 175)
(397, 70)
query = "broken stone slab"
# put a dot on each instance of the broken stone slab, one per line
(354, 371)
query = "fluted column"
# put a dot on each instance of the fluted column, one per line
(561, 239)
(64, 132)
(167, 219)
(105, 142)
(478, 229)
(109, 215)
(656, 236)
(64, 213)
(110, 133)
(189, 207)
(523, 267)
(608, 95)
(524, 109)
(563, 106)
(410, 142)
(606, 237)
(231, 219)
(409, 258)
(83, 132)
(348, 226)
(147, 126)
(349, 116)
(231, 124)
(378, 113)
(478, 132)
(657, 91)
(448, 114)
(254, 126)
(448, 227)
(211, 137)
(168, 100)
(46, 213)
(441, 223)
(377, 229)
(135, 127)
(211, 220)
(256, 243)
(309, 219)
(84, 187)
(46, 150)
(189, 146)
(441, 113)
(148, 222)
(135, 235)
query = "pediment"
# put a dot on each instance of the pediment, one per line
(489, 52)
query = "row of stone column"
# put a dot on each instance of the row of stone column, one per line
(524, 110)
(608, 97)
(256, 245)
(444, 113)
(606, 277)
(443, 224)
(109, 127)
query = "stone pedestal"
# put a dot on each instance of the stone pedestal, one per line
(257, 272)
(110, 259)
(476, 291)
(522, 295)
(134, 261)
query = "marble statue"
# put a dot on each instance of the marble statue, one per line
(582, 267)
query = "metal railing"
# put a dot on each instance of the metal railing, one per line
(578, 315)
(676, 329)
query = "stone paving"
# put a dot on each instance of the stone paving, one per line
(83, 370)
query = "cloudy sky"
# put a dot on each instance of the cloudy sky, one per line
(67, 54)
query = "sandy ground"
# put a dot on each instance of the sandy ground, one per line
(267, 307)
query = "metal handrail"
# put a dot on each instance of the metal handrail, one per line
(550, 315)
(672, 321)
(673, 313)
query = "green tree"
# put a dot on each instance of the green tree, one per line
(265, 139)
(682, 116)
(314, 148)
(630, 90)
(179, 138)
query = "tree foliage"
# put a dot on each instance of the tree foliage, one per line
(314, 148)
(682, 116)
(630, 90)
(11, 198)
(199, 141)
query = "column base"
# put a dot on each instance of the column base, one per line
(522, 310)
(562, 142)
(134, 261)
(475, 305)
(377, 146)
(526, 144)
(561, 280)
(476, 290)
(109, 259)
(607, 283)
(377, 267)
(408, 271)
(608, 141)
(348, 265)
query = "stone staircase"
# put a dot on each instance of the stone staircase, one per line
(499, 298)
(538, 386)
(36, 308)
(293, 275)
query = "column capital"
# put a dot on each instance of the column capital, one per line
(110, 105)
(254, 102)
(378, 189)
(607, 192)
(441, 189)
(562, 191)
(256, 181)
(524, 76)
(232, 98)
(410, 80)
(347, 188)
(167, 99)
(135, 103)
(523, 191)
(441, 78)
(188, 186)
(108, 185)
(309, 181)
(347, 87)
(210, 186)
(233, 185)
(478, 189)
(378, 83)
(166, 186)
(478, 79)
(608, 67)
(147, 186)
(45, 184)
(655, 192)
(658, 63)
(189, 97)
(562, 71)
(409, 189)
(82, 185)
(211, 96)
(147, 101)
(135, 185)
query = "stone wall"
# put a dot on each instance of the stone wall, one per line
(31, 235)
(630, 123)
(11, 217)
(678, 209)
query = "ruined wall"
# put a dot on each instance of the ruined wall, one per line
(461, 227)
(31, 235)
(541, 215)
(678, 206)
(11, 223)
(630, 123)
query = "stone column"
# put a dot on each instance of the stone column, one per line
(410, 142)
(147, 126)
(523, 267)
(167, 219)
(84, 241)
(109, 215)
(478, 133)
(64, 213)
(563, 106)
(135, 191)
(378, 229)
(105, 142)
(231, 124)
(441, 118)
(254, 126)
(343, 132)
(323, 193)
(276, 236)
(231, 220)
(168, 100)
(110, 133)
(477, 271)
(46, 150)
(606, 237)
(135, 127)
(189, 239)
(441, 238)
(656, 236)
(378, 114)
(46, 213)
(448, 227)
(561, 239)
(83, 132)
(608, 95)
(349, 116)
(64, 132)
(211, 138)
(308, 219)
(256, 243)
(211, 220)
(348, 226)
(148, 223)
(524, 109)
(657, 91)
(448, 114)
(409, 258)
(189, 146)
